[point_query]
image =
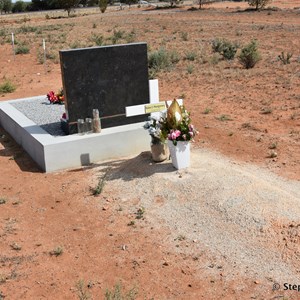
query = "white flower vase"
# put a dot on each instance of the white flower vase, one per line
(180, 154)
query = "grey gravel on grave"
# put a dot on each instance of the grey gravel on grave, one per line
(42, 113)
(224, 208)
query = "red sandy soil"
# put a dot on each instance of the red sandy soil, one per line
(44, 211)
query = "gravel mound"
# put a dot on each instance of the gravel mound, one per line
(244, 217)
(42, 113)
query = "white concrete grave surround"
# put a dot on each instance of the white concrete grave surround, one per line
(72, 151)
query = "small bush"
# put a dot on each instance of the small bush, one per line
(191, 55)
(161, 60)
(285, 59)
(103, 5)
(217, 45)
(7, 87)
(249, 55)
(97, 39)
(57, 251)
(226, 48)
(117, 35)
(22, 49)
(117, 293)
(184, 36)
(190, 69)
(131, 36)
(174, 57)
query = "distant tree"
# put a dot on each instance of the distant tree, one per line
(129, 2)
(203, 2)
(5, 6)
(258, 4)
(19, 6)
(39, 5)
(91, 3)
(103, 5)
(68, 5)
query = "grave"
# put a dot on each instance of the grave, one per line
(108, 78)
(123, 134)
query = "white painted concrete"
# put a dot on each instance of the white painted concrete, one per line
(72, 151)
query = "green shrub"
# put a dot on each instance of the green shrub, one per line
(174, 57)
(191, 55)
(226, 48)
(97, 39)
(217, 45)
(103, 5)
(249, 55)
(118, 293)
(161, 60)
(285, 59)
(7, 87)
(117, 35)
(190, 69)
(22, 49)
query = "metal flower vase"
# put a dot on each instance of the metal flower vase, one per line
(159, 150)
(180, 154)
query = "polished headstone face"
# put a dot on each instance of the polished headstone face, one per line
(108, 78)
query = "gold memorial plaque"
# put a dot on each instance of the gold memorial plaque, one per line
(156, 107)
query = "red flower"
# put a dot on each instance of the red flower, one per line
(55, 98)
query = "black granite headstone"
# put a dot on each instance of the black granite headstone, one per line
(108, 78)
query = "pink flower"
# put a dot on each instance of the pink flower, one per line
(174, 134)
(191, 133)
(184, 136)
(191, 127)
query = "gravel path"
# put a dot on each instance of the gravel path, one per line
(245, 218)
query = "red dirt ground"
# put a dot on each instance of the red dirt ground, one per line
(44, 211)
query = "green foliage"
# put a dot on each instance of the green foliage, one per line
(162, 60)
(285, 59)
(118, 294)
(81, 291)
(97, 39)
(27, 29)
(226, 48)
(19, 6)
(117, 35)
(99, 188)
(249, 55)
(68, 5)
(191, 55)
(57, 251)
(103, 5)
(7, 87)
(258, 4)
(22, 49)
(190, 69)
(5, 6)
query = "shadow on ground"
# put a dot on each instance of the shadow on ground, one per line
(15, 152)
(140, 166)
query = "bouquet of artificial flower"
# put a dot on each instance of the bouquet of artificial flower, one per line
(56, 98)
(177, 125)
(154, 126)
